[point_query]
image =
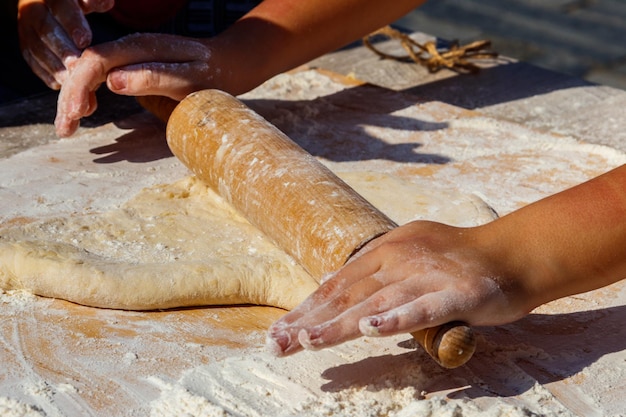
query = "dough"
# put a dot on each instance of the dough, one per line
(404, 201)
(180, 244)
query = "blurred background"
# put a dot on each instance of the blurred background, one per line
(583, 38)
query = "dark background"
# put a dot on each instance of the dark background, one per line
(583, 38)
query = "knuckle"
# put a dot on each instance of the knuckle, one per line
(149, 77)
(328, 288)
(344, 298)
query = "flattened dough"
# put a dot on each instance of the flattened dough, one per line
(180, 244)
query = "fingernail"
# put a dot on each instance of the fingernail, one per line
(368, 326)
(310, 340)
(81, 38)
(277, 342)
(118, 80)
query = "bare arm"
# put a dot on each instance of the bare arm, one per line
(282, 34)
(276, 36)
(569, 243)
(425, 274)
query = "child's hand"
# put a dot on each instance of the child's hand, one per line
(139, 64)
(419, 275)
(425, 274)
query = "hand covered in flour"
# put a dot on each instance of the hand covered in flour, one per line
(425, 274)
(274, 37)
(138, 64)
(53, 34)
(419, 275)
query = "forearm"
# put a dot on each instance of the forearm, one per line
(568, 243)
(279, 35)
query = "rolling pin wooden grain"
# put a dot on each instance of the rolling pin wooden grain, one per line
(284, 191)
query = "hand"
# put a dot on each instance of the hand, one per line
(139, 64)
(419, 275)
(53, 33)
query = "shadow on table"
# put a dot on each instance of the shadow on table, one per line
(496, 85)
(144, 142)
(336, 127)
(508, 361)
(354, 124)
(41, 109)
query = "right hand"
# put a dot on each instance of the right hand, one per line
(53, 34)
(419, 275)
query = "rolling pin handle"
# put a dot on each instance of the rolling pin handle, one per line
(450, 345)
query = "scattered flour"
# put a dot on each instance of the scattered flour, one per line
(162, 364)
(258, 385)
(178, 401)
(13, 408)
(16, 298)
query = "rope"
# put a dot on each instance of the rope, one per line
(457, 58)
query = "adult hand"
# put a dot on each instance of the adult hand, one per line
(53, 33)
(419, 275)
(138, 64)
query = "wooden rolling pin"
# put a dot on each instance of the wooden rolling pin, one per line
(284, 191)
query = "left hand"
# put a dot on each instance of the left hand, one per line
(139, 64)
(419, 275)
(53, 33)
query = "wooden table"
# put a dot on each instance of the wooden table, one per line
(439, 130)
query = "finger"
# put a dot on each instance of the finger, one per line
(65, 128)
(332, 286)
(41, 72)
(92, 104)
(73, 104)
(345, 326)
(45, 45)
(333, 318)
(337, 293)
(174, 80)
(145, 47)
(54, 62)
(40, 24)
(430, 310)
(96, 62)
(282, 335)
(67, 14)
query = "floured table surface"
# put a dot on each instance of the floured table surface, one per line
(61, 359)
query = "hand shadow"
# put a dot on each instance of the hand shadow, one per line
(509, 360)
(145, 142)
(355, 124)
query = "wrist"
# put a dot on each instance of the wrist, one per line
(508, 253)
(244, 56)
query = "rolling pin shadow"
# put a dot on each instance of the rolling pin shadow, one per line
(284, 191)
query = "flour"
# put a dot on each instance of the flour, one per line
(258, 385)
(12, 408)
(16, 299)
(177, 401)
(64, 360)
